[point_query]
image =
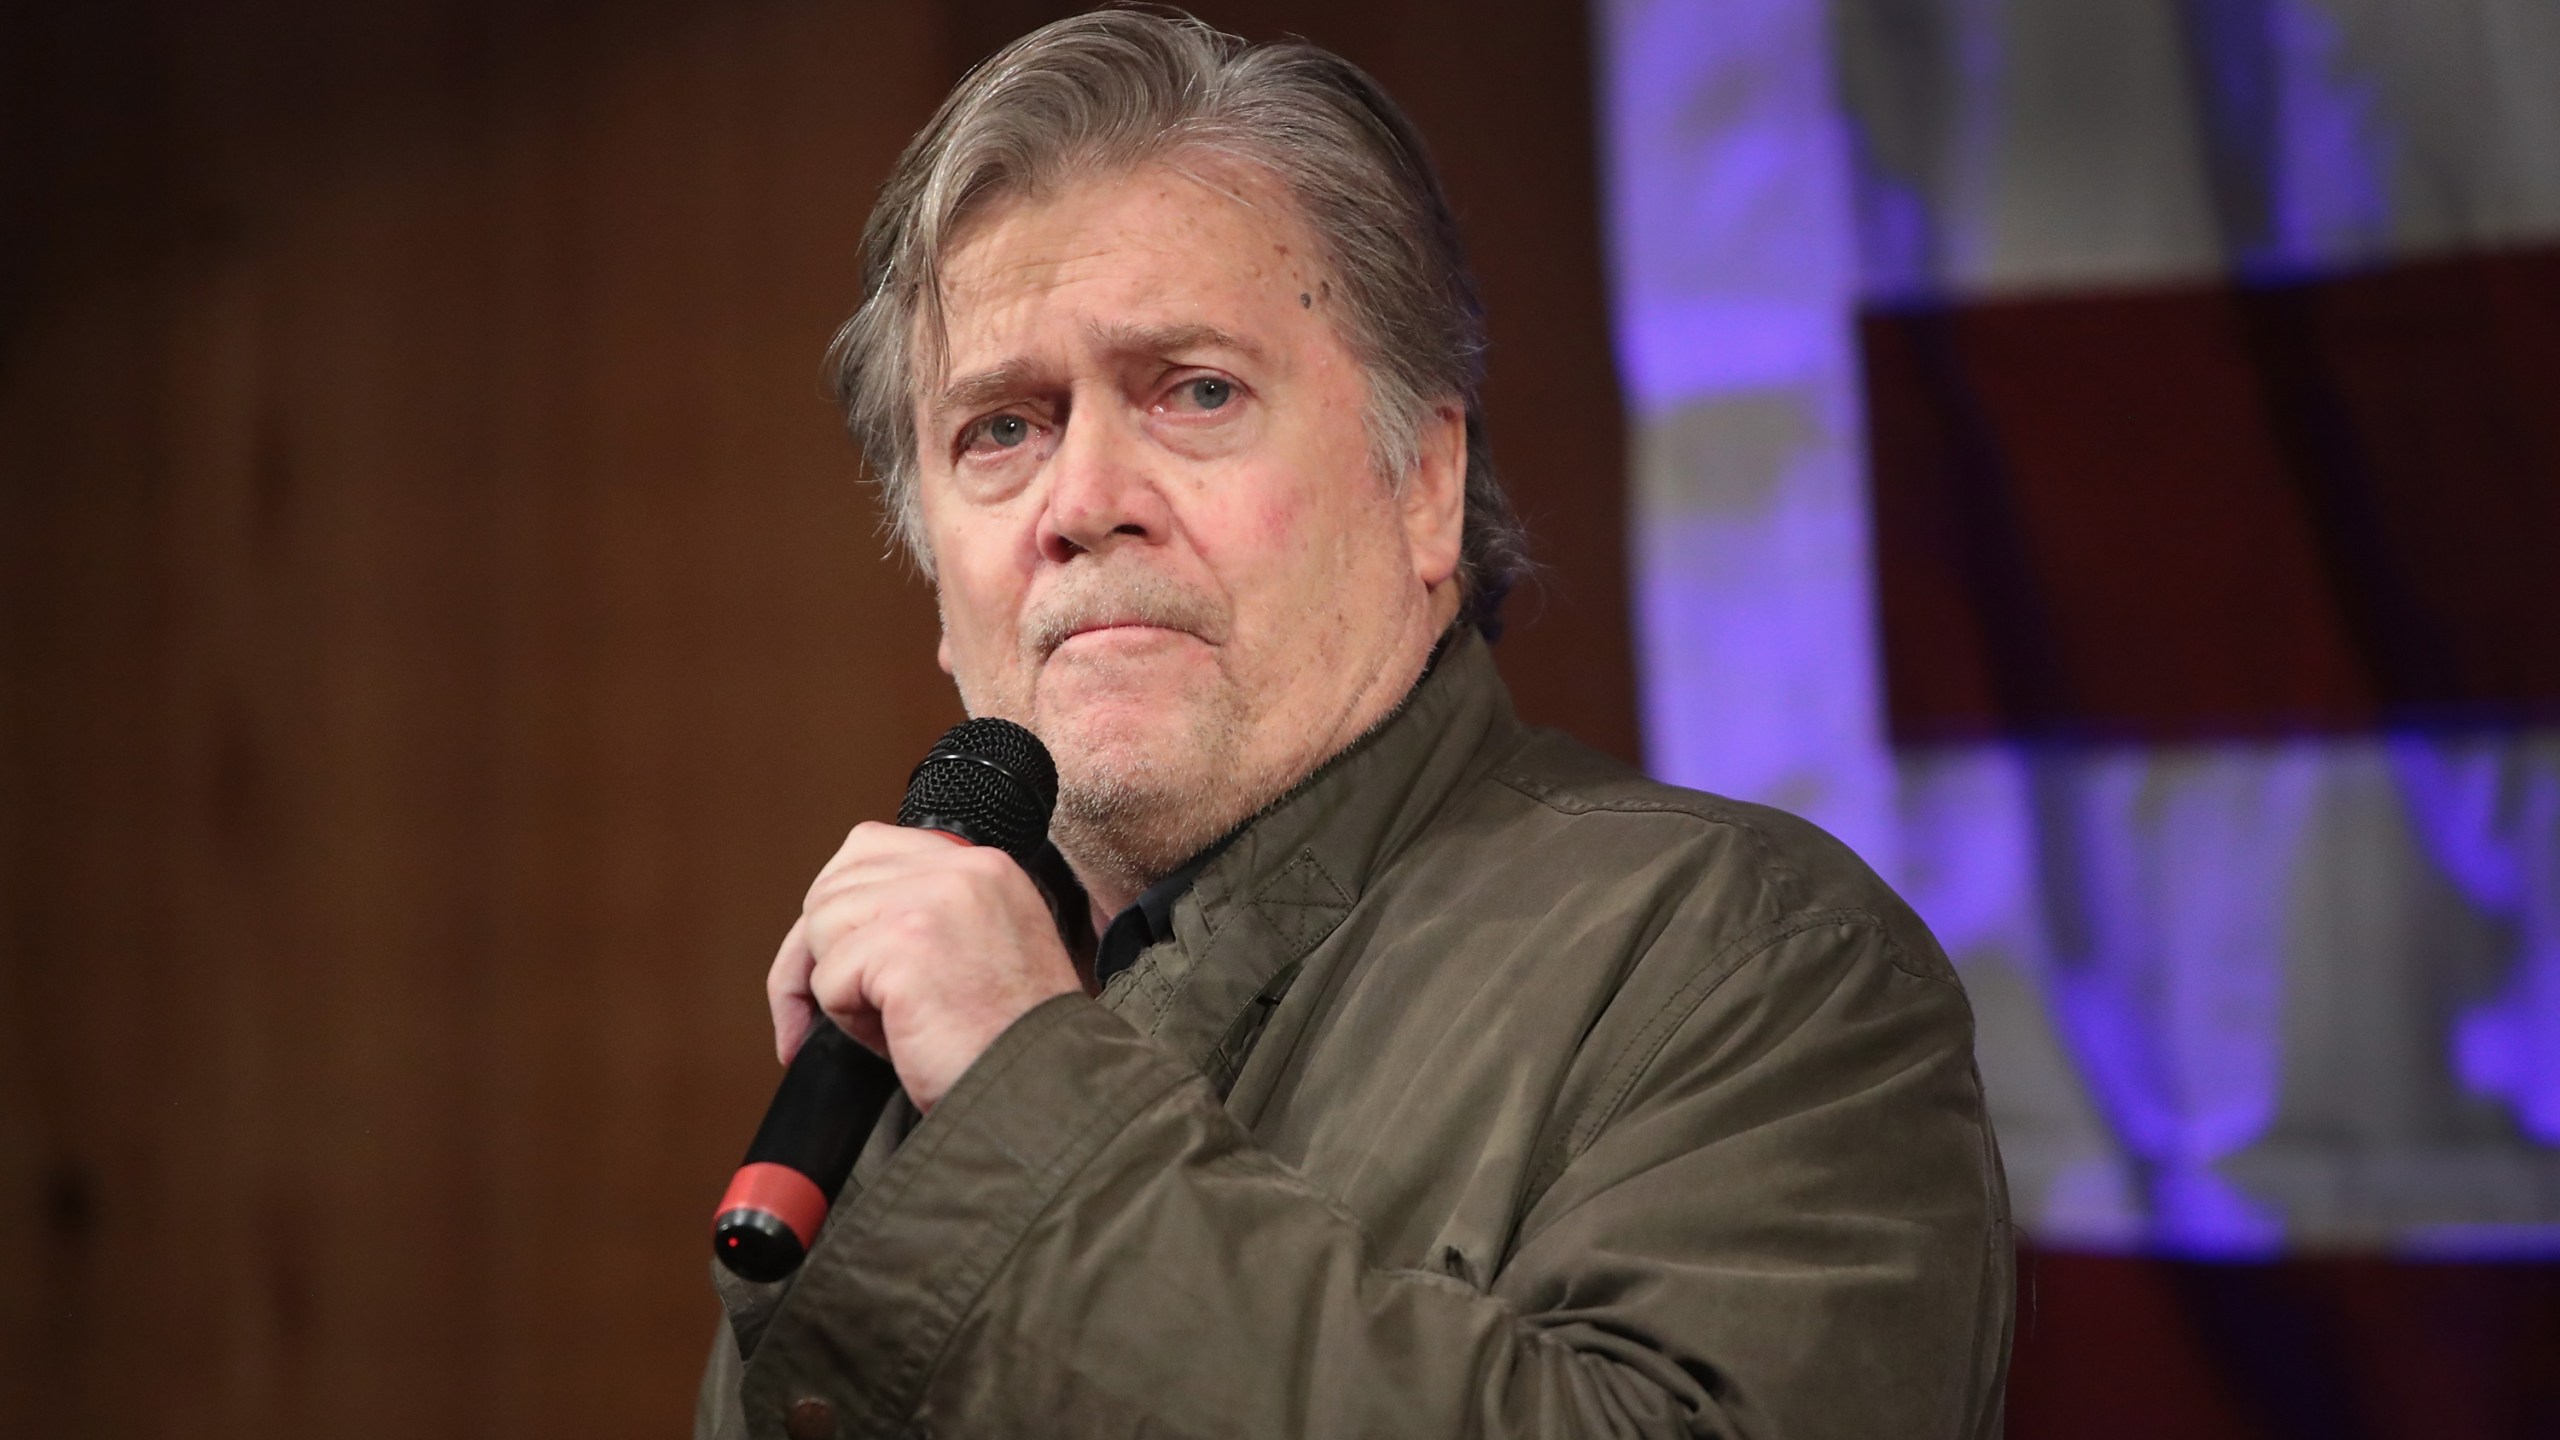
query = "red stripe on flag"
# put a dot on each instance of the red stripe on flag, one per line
(2119, 1348)
(2216, 511)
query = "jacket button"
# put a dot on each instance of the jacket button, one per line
(810, 1419)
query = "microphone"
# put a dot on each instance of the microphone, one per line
(988, 782)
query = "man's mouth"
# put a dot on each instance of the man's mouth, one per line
(1125, 632)
(1105, 612)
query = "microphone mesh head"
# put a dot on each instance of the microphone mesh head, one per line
(988, 781)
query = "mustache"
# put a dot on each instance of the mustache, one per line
(1097, 598)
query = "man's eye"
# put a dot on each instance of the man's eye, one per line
(1209, 392)
(1004, 431)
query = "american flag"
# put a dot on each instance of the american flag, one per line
(2103, 461)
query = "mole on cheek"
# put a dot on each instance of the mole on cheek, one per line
(1305, 300)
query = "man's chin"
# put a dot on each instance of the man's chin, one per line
(1122, 717)
(1139, 780)
(1133, 746)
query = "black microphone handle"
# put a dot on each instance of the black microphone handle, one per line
(823, 1111)
(821, 1116)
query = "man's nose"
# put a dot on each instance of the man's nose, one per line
(1102, 489)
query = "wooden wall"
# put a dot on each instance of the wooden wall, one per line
(440, 633)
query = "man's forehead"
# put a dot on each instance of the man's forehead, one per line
(1154, 263)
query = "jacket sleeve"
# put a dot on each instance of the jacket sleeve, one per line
(1781, 1218)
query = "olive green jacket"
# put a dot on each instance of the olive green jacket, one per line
(1485, 1088)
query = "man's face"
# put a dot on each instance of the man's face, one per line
(1158, 535)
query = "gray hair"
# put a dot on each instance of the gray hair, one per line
(1118, 88)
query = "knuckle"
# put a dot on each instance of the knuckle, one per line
(914, 925)
(836, 986)
(986, 862)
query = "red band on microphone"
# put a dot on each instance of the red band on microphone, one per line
(784, 1193)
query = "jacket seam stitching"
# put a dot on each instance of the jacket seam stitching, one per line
(1770, 855)
(1295, 950)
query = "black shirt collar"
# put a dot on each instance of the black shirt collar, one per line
(1148, 919)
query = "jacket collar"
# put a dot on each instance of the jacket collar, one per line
(1291, 876)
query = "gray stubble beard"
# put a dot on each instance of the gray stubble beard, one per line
(1133, 823)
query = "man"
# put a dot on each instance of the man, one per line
(1444, 1078)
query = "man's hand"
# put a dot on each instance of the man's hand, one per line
(920, 947)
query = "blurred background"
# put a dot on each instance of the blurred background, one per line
(2102, 459)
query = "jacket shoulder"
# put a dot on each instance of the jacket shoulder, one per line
(1571, 778)
(1762, 866)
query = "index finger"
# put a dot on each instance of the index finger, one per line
(786, 991)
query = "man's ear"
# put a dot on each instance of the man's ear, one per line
(942, 643)
(1434, 499)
